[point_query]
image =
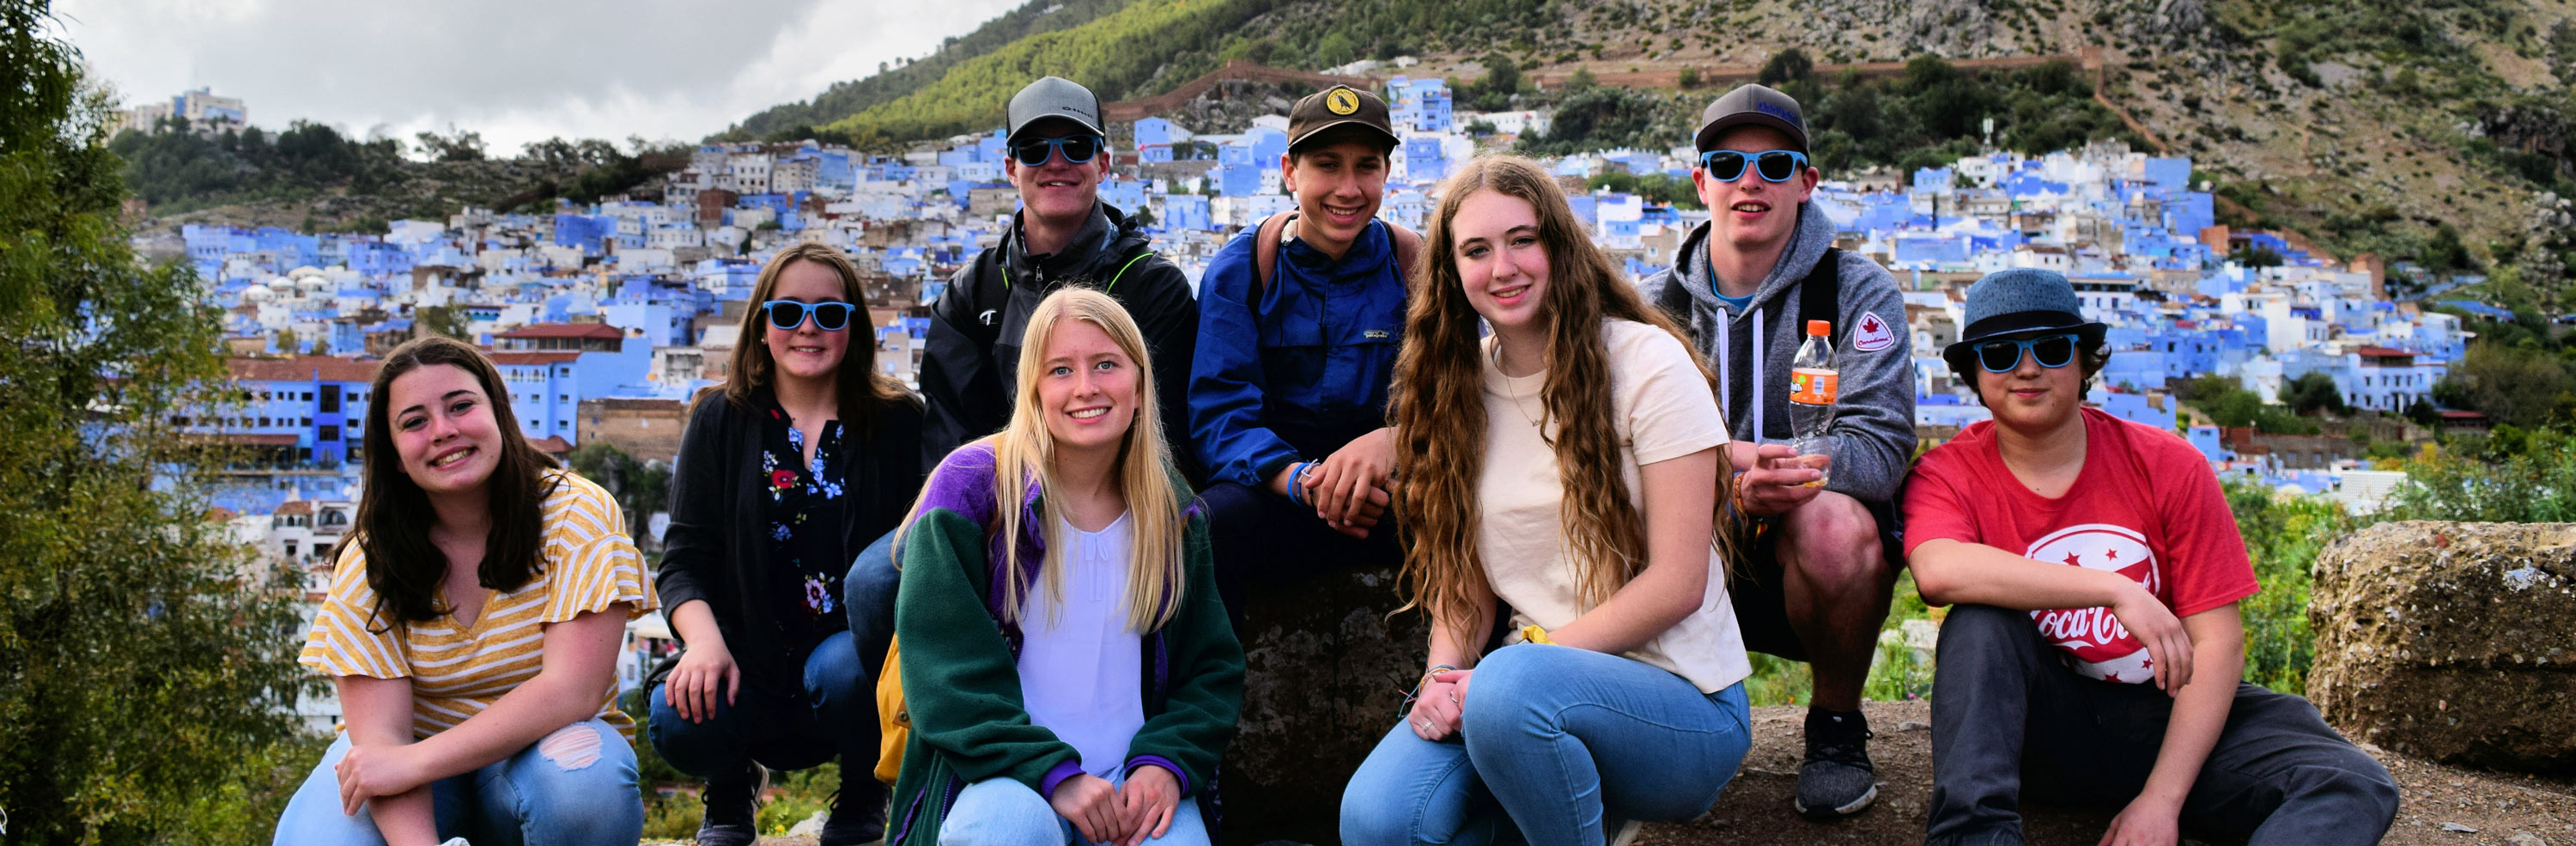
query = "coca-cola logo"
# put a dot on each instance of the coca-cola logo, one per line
(2097, 644)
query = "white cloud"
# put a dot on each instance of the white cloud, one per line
(514, 71)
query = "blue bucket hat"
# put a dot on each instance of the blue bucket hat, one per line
(2012, 302)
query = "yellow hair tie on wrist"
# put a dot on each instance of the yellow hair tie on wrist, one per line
(1534, 634)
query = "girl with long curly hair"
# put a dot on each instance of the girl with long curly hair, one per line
(1566, 465)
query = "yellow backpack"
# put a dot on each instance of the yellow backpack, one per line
(894, 723)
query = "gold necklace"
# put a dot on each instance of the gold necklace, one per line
(1517, 405)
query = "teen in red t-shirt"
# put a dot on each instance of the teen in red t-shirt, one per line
(2147, 509)
(2094, 651)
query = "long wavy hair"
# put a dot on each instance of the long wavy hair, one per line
(864, 393)
(1440, 408)
(1024, 453)
(394, 515)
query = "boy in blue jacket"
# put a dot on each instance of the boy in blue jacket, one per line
(1300, 319)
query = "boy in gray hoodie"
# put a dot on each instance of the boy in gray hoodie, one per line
(1820, 569)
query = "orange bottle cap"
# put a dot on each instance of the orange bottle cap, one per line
(1820, 327)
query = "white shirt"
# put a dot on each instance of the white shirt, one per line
(1662, 409)
(1080, 666)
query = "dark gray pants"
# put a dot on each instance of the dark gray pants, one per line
(2006, 712)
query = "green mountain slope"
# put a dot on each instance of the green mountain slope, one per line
(2435, 131)
(797, 120)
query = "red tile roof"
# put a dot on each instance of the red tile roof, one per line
(527, 358)
(2381, 352)
(303, 368)
(601, 331)
(552, 445)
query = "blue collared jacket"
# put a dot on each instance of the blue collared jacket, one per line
(1297, 368)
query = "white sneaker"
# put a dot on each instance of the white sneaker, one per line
(1627, 832)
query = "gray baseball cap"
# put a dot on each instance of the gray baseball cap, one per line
(1054, 97)
(1752, 104)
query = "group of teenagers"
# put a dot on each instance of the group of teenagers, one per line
(1583, 478)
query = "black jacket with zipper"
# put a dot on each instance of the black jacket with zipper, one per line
(973, 345)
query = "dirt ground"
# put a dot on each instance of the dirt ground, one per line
(2502, 809)
(1755, 809)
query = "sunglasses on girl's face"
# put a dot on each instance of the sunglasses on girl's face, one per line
(1774, 165)
(1078, 149)
(2050, 351)
(789, 314)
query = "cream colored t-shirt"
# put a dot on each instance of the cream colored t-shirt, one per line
(1665, 411)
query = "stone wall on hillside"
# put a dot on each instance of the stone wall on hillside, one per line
(2451, 641)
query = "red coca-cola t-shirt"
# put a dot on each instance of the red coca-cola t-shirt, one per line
(2145, 506)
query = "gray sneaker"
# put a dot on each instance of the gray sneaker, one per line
(1837, 779)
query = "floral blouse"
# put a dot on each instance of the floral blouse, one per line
(806, 560)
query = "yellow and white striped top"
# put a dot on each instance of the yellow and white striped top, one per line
(458, 670)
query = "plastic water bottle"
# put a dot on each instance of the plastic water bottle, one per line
(1813, 383)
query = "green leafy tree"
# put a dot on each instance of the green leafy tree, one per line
(147, 661)
(2312, 392)
(641, 487)
(2517, 384)
(439, 320)
(1790, 65)
(1502, 75)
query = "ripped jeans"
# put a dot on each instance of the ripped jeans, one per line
(565, 790)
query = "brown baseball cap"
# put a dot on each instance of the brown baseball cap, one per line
(1338, 106)
(1758, 105)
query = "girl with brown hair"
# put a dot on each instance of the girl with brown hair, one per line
(803, 457)
(472, 627)
(1566, 465)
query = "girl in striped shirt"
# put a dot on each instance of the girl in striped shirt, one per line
(472, 627)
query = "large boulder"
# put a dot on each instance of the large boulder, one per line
(1326, 668)
(2451, 641)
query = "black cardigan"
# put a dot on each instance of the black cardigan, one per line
(714, 546)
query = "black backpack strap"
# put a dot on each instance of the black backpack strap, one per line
(1820, 295)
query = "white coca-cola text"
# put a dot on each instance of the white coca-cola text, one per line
(2096, 626)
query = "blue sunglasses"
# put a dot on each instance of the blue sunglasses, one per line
(789, 314)
(1774, 165)
(1078, 149)
(2002, 356)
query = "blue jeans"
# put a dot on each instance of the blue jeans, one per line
(837, 715)
(1556, 741)
(867, 594)
(564, 790)
(1004, 812)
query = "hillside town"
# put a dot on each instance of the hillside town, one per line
(607, 319)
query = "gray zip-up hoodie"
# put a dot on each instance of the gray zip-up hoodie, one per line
(1874, 413)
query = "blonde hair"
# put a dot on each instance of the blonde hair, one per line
(1024, 452)
(1440, 409)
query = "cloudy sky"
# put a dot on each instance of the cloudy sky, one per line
(513, 70)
